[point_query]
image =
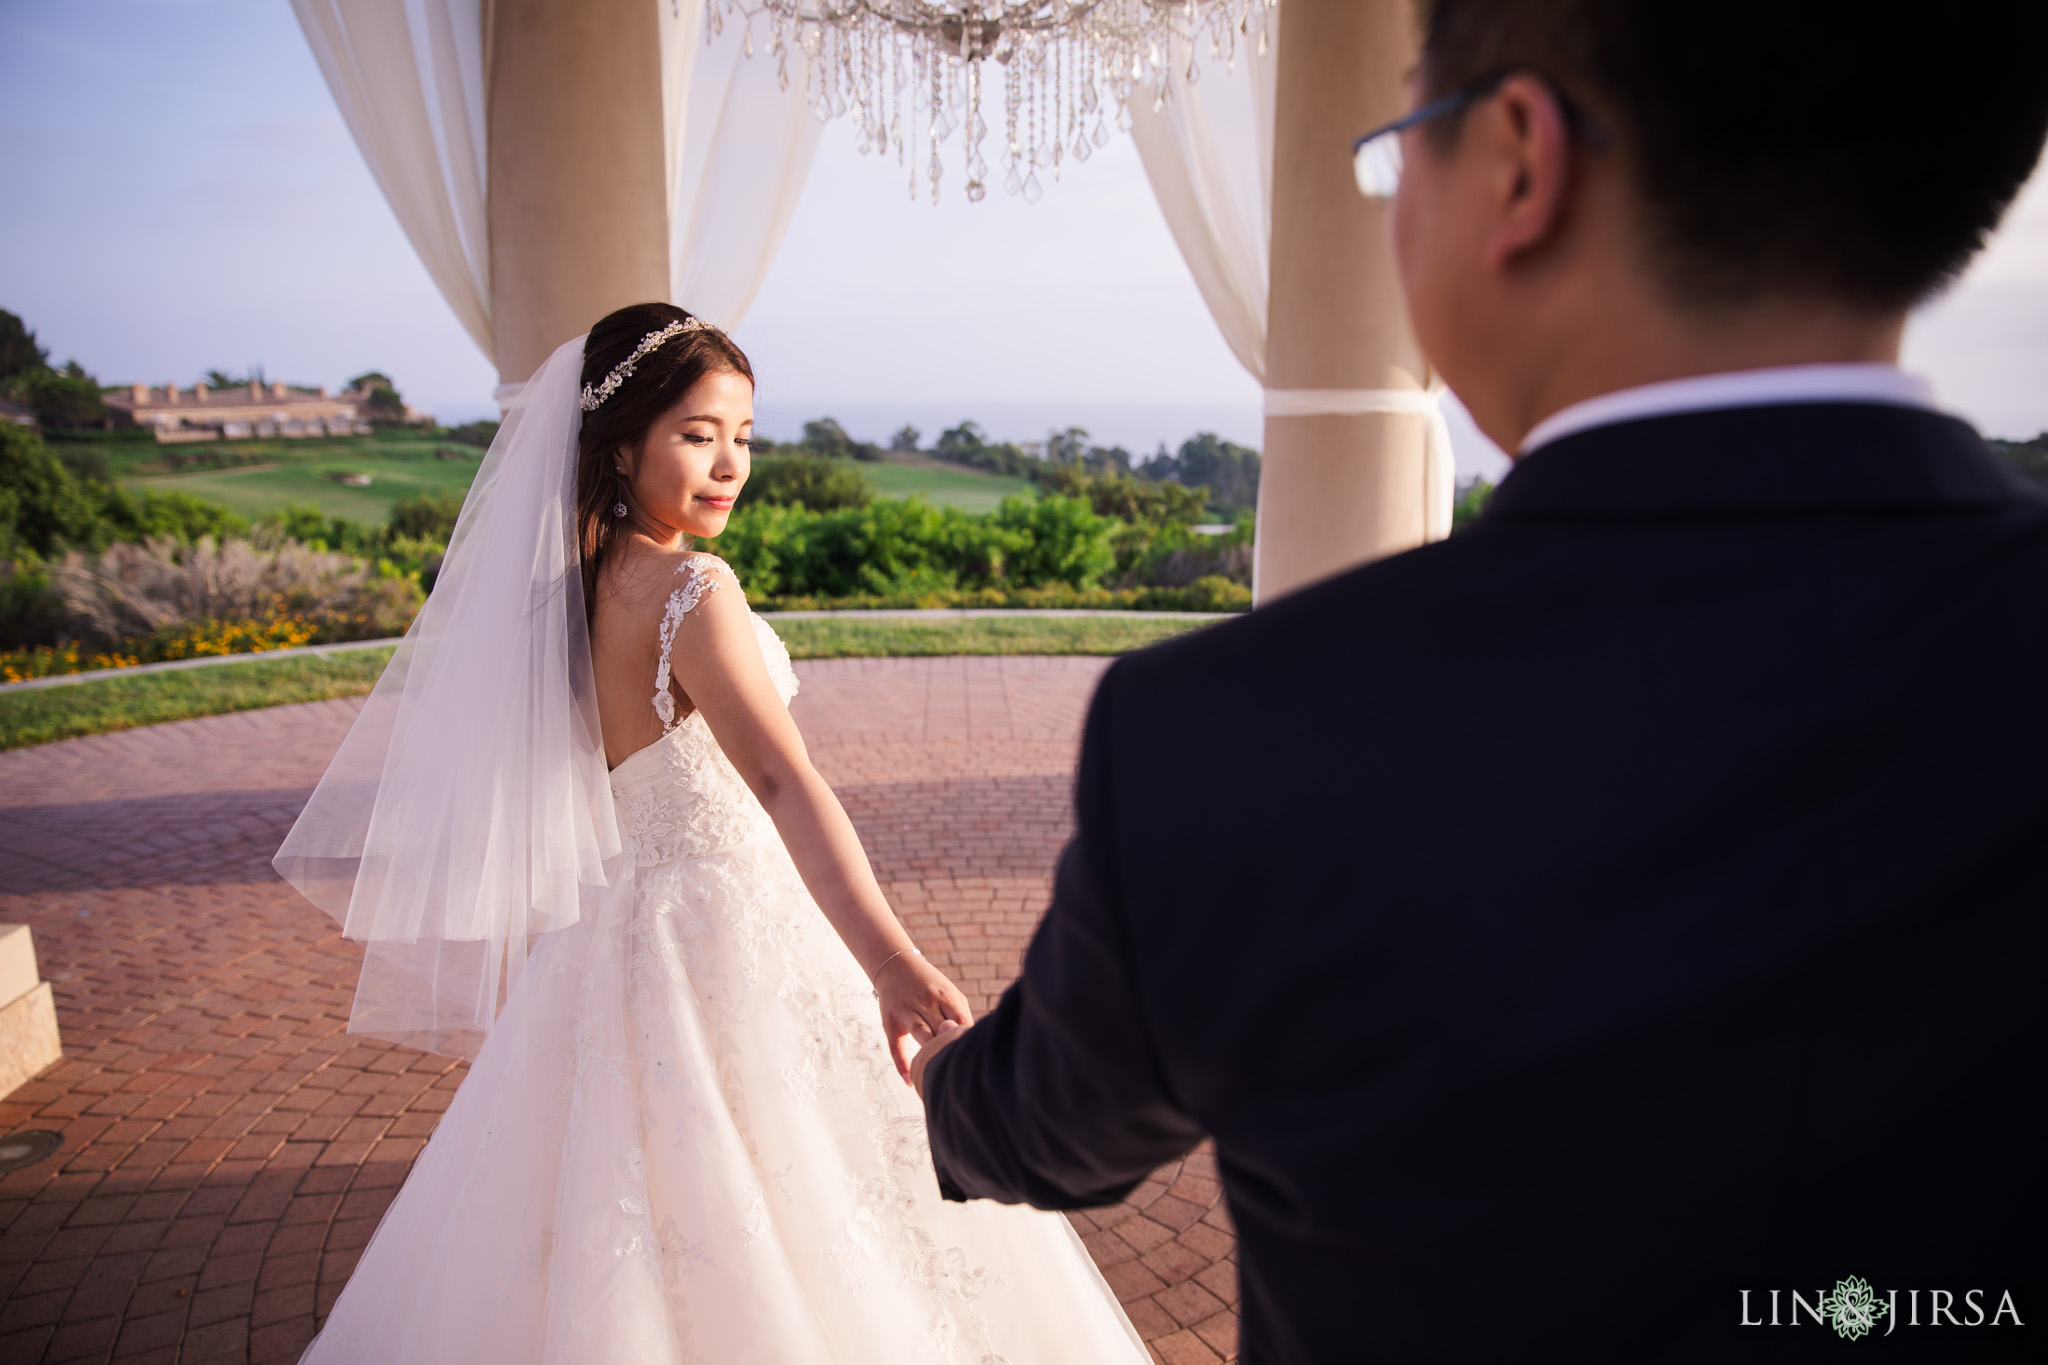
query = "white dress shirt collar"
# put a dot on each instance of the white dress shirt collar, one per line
(1862, 383)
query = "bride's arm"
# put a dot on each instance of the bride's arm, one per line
(717, 662)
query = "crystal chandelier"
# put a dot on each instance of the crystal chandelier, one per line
(909, 72)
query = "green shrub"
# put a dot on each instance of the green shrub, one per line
(1130, 499)
(181, 516)
(803, 481)
(428, 516)
(314, 529)
(1471, 501)
(1064, 541)
(899, 547)
(31, 613)
(479, 433)
(1213, 593)
(43, 507)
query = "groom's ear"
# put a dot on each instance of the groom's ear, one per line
(1527, 146)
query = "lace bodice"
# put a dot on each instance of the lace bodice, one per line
(680, 797)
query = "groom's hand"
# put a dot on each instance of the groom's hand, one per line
(917, 1001)
(948, 1032)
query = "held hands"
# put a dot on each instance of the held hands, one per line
(948, 1032)
(918, 1003)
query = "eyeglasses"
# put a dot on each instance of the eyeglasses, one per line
(1376, 157)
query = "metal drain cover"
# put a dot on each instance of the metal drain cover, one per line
(27, 1147)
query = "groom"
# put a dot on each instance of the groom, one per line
(1743, 675)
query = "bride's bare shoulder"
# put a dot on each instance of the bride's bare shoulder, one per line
(643, 578)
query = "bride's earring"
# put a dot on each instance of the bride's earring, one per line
(618, 509)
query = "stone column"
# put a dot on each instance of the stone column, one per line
(578, 179)
(28, 1012)
(1336, 491)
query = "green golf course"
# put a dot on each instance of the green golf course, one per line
(264, 476)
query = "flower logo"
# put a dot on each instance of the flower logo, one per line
(1853, 1308)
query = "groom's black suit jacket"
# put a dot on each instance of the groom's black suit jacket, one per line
(1631, 901)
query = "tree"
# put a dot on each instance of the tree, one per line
(1139, 502)
(827, 440)
(18, 350)
(1230, 471)
(904, 442)
(1070, 447)
(967, 444)
(61, 398)
(381, 402)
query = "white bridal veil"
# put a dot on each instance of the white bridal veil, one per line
(470, 805)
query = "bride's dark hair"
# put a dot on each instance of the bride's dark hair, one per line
(658, 382)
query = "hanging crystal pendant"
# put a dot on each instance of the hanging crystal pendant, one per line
(1063, 61)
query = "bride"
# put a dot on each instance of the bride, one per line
(577, 832)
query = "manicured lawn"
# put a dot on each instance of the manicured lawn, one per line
(256, 491)
(850, 636)
(970, 490)
(269, 474)
(39, 715)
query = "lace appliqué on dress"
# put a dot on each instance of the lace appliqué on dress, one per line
(700, 576)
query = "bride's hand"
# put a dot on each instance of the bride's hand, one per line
(916, 998)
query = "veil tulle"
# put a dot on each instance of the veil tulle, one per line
(470, 807)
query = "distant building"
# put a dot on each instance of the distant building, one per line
(203, 414)
(16, 414)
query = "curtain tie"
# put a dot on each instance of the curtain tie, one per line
(1439, 465)
(1351, 402)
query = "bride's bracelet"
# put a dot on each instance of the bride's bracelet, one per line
(877, 990)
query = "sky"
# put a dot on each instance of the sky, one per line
(180, 194)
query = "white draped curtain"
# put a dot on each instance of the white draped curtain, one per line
(410, 77)
(1209, 156)
(742, 149)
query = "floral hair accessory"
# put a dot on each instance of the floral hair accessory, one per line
(594, 397)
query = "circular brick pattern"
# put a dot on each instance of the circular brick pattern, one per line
(228, 1147)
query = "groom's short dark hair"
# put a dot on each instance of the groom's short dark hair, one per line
(1834, 148)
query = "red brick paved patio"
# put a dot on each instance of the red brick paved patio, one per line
(228, 1148)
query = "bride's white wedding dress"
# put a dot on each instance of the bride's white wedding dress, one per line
(684, 1140)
